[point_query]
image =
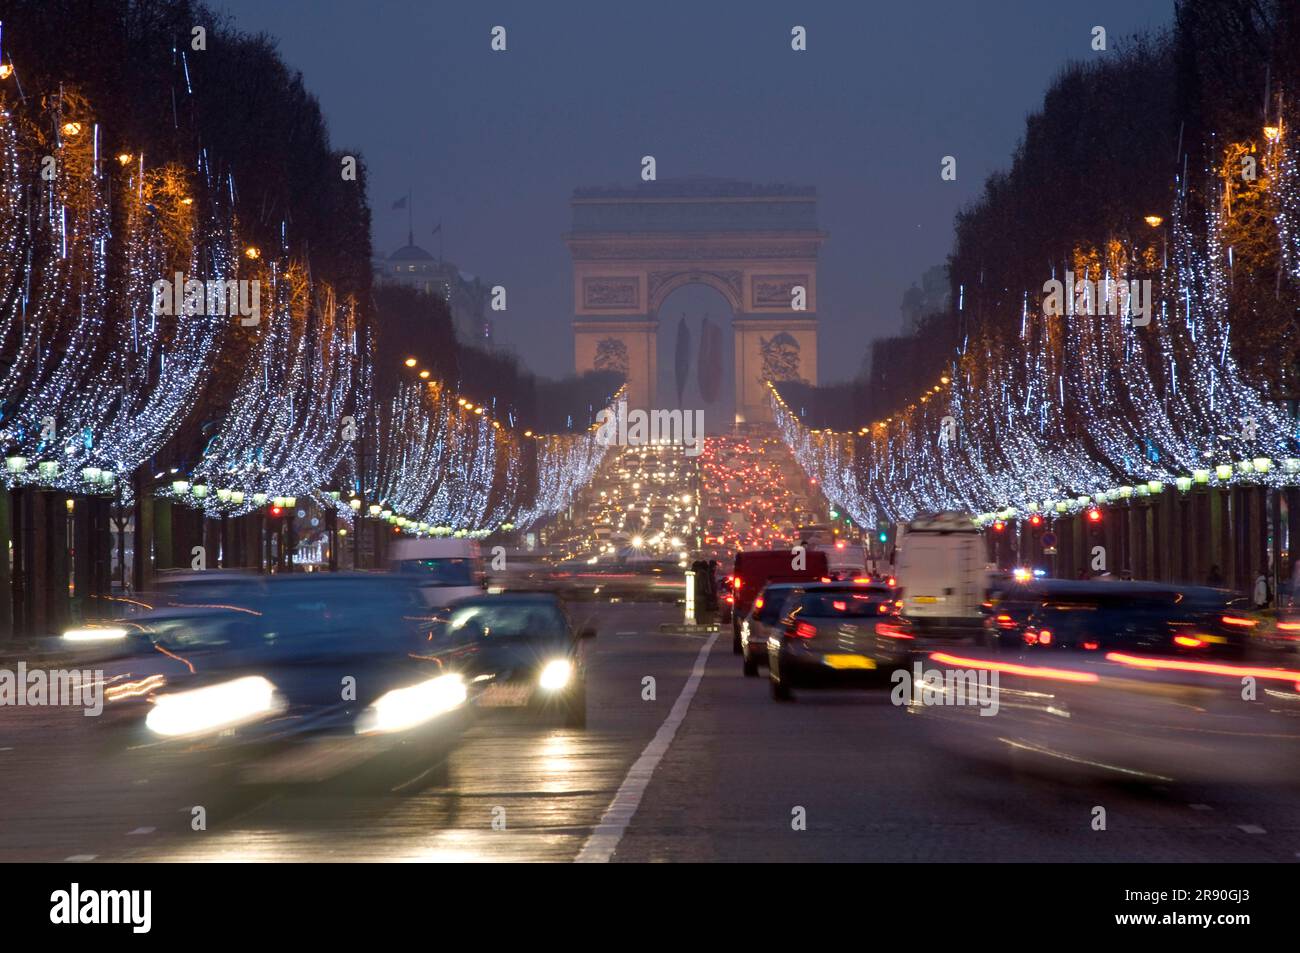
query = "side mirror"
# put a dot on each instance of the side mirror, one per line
(586, 633)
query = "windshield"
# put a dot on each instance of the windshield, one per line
(507, 621)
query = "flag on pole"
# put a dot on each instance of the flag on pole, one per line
(437, 228)
(400, 203)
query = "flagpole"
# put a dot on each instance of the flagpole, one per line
(410, 220)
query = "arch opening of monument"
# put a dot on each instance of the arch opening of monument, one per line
(755, 246)
(697, 362)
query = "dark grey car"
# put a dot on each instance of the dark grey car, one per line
(834, 636)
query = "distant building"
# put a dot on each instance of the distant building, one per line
(466, 296)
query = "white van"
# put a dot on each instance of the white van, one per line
(449, 569)
(940, 564)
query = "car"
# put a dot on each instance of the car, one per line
(1094, 616)
(753, 569)
(518, 650)
(763, 620)
(832, 635)
(296, 678)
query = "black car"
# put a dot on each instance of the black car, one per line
(1100, 616)
(517, 650)
(291, 678)
(837, 635)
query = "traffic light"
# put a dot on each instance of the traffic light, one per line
(1094, 515)
(884, 537)
(277, 511)
(999, 525)
(835, 514)
(1035, 520)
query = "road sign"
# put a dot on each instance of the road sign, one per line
(1049, 541)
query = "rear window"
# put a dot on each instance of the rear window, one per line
(440, 572)
(852, 605)
(773, 601)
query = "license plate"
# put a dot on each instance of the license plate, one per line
(926, 600)
(505, 696)
(850, 661)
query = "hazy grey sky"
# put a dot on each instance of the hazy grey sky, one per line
(493, 144)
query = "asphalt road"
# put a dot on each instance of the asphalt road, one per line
(726, 779)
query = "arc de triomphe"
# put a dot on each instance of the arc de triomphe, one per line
(756, 245)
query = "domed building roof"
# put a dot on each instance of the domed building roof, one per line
(410, 253)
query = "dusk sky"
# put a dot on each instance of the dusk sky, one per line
(493, 144)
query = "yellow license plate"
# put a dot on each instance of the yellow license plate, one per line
(926, 599)
(850, 661)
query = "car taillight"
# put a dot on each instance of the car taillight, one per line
(1187, 641)
(735, 582)
(1045, 637)
(1090, 646)
(840, 606)
(1030, 637)
(758, 603)
(731, 600)
(1006, 622)
(891, 582)
(892, 631)
(1239, 621)
(804, 630)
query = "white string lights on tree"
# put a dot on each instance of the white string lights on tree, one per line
(447, 468)
(1084, 407)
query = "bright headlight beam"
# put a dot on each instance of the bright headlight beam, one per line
(92, 634)
(405, 708)
(555, 675)
(213, 708)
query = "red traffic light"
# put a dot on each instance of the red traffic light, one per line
(1035, 520)
(999, 526)
(1094, 515)
(277, 510)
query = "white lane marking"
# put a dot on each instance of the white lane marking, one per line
(80, 858)
(141, 830)
(613, 824)
(1251, 828)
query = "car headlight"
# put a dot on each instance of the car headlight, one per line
(555, 675)
(95, 634)
(404, 708)
(213, 708)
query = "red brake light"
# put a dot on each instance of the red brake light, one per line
(867, 579)
(1030, 637)
(731, 600)
(1188, 641)
(891, 582)
(735, 582)
(840, 606)
(891, 631)
(804, 630)
(1237, 620)
(1090, 646)
(758, 603)
(1045, 637)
